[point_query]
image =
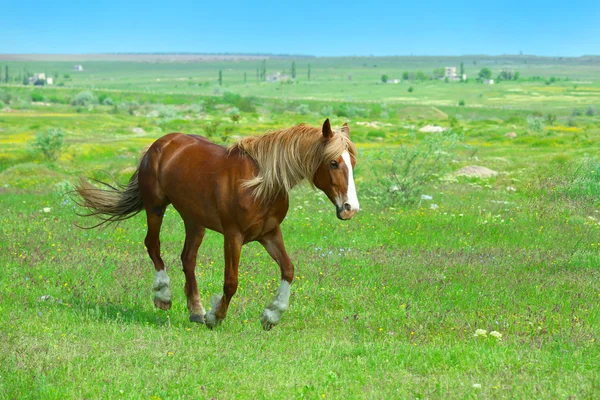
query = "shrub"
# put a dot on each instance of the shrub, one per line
(384, 78)
(326, 111)
(210, 128)
(37, 96)
(108, 101)
(234, 114)
(461, 103)
(83, 99)
(303, 109)
(550, 118)
(576, 113)
(350, 111)
(5, 97)
(590, 111)
(50, 143)
(411, 89)
(402, 174)
(245, 104)
(535, 124)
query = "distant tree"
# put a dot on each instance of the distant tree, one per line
(264, 70)
(293, 69)
(410, 89)
(438, 73)
(257, 74)
(220, 77)
(405, 75)
(462, 69)
(485, 73)
(25, 80)
(245, 77)
(384, 78)
(309, 72)
(516, 76)
(421, 76)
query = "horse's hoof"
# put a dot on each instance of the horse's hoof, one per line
(197, 318)
(266, 324)
(211, 321)
(163, 305)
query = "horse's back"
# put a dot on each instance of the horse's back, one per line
(200, 178)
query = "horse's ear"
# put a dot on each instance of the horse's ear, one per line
(327, 132)
(346, 129)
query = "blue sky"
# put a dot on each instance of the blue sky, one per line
(430, 27)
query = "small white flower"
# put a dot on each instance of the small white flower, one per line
(426, 197)
(511, 189)
(433, 206)
(480, 332)
(46, 209)
(477, 385)
(496, 334)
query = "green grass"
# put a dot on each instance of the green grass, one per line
(383, 306)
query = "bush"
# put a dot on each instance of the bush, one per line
(402, 174)
(303, 109)
(50, 143)
(234, 114)
(37, 96)
(108, 101)
(327, 111)
(83, 99)
(550, 118)
(384, 78)
(461, 103)
(244, 104)
(411, 89)
(5, 97)
(590, 111)
(349, 111)
(210, 128)
(535, 124)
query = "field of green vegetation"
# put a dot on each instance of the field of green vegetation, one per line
(445, 285)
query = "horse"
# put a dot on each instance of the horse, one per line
(240, 191)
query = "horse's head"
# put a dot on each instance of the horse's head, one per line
(335, 173)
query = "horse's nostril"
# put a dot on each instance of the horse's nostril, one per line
(347, 206)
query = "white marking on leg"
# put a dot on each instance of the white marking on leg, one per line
(210, 319)
(352, 197)
(162, 286)
(279, 305)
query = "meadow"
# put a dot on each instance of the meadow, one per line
(443, 286)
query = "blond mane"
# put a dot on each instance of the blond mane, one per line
(286, 157)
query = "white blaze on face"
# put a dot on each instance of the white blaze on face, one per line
(352, 197)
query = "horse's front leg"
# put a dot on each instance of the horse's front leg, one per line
(233, 247)
(272, 314)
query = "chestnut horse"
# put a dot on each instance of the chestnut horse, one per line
(241, 192)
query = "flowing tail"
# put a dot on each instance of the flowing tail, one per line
(112, 203)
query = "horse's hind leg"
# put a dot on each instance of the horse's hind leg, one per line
(162, 283)
(233, 247)
(193, 239)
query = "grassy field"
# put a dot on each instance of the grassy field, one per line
(387, 305)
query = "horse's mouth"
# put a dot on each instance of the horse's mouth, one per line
(345, 213)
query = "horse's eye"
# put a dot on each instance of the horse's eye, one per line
(334, 164)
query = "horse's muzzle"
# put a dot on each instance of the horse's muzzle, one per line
(346, 212)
